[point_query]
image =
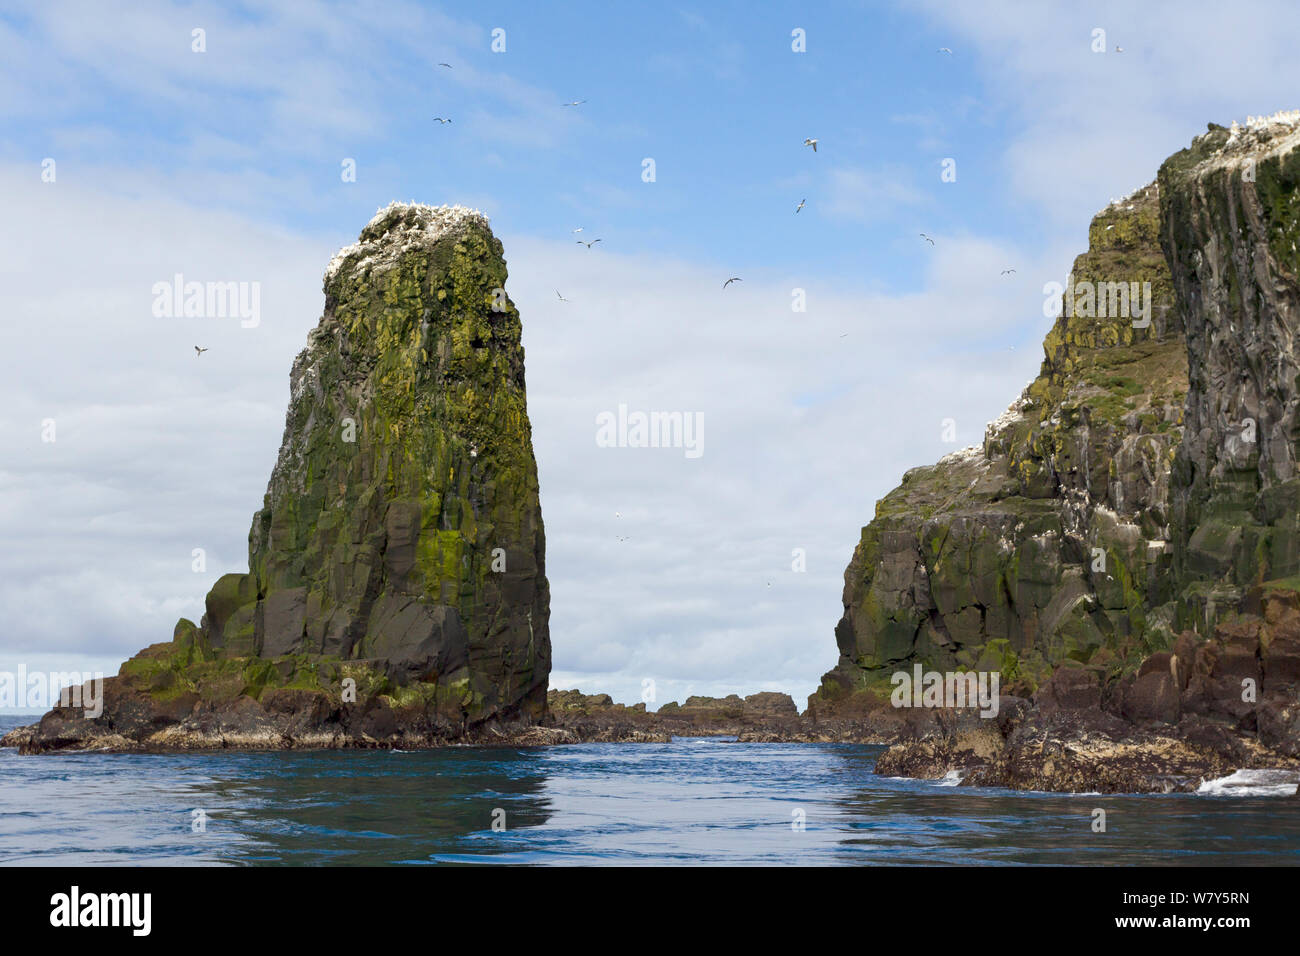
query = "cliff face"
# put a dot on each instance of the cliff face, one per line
(401, 523)
(1049, 541)
(1229, 229)
(1146, 482)
(1124, 548)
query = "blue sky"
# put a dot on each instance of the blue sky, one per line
(714, 94)
(226, 165)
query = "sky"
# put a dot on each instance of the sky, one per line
(127, 156)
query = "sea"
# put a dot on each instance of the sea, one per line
(708, 801)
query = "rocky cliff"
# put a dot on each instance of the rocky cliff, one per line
(1123, 549)
(1230, 227)
(1050, 541)
(397, 566)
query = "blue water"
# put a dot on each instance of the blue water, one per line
(692, 801)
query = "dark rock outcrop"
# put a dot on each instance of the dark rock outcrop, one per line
(1230, 224)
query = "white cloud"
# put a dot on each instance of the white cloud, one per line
(1088, 126)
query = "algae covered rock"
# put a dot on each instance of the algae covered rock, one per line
(396, 588)
(1145, 485)
(401, 523)
(1048, 542)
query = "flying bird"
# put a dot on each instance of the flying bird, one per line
(944, 49)
(579, 229)
(561, 298)
(447, 65)
(198, 351)
(1119, 49)
(802, 202)
(926, 238)
(1007, 272)
(812, 143)
(587, 244)
(574, 103)
(439, 119)
(731, 280)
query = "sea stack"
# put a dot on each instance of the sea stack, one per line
(396, 589)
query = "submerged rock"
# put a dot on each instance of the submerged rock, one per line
(396, 585)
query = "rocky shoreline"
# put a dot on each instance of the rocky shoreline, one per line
(1176, 724)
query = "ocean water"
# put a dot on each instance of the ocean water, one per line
(699, 801)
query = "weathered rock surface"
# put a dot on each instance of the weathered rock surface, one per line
(400, 541)
(1145, 732)
(595, 716)
(1130, 527)
(1230, 225)
(1046, 543)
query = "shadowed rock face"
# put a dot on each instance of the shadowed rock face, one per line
(1230, 230)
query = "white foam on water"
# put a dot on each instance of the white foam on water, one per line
(1253, 783)
(952, 778)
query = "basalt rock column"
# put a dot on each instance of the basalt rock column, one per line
(1230, 225)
